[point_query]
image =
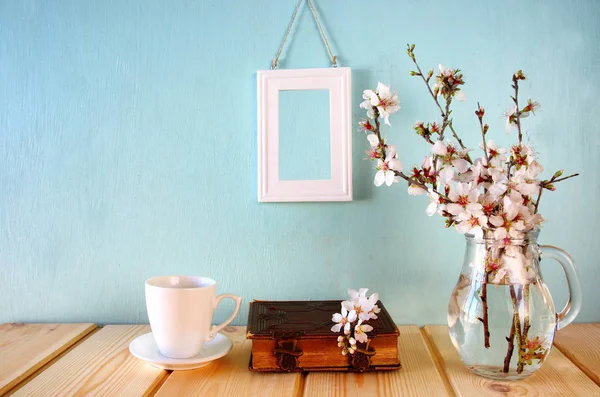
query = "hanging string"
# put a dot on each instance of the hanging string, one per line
(314, 12)
(333, 57)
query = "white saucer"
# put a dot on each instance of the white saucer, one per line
(144, 347)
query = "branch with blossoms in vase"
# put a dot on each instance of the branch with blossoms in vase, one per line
(495, 196)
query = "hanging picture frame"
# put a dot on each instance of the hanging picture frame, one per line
(271, 188)
(338, 83)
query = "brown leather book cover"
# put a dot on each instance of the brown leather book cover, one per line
(296, 336)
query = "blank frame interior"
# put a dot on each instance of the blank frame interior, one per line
(338, 82)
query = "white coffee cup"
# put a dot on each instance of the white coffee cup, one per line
(180, 309)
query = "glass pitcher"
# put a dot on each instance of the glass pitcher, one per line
(501, 317)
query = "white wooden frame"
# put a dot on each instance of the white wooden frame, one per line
(339, 83)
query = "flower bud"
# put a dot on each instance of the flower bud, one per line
(550, 187)
(557, 174)
(413, 73)
(429, 74)
(519, 76)
(480, 112)
(485, 128)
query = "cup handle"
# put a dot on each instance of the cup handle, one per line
(214, 329)
(571, 309)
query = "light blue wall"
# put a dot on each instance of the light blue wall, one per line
(128, 149)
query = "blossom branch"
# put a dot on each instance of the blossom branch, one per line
(526, 325)
(484, 128)
(484, 320)
(446, 122)
(516, 77)
(516, 323)
(491, 196)
(565, 178)
(550, 186)
(511, 347)
(409, 51)
(377, 132)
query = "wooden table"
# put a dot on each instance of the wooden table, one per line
(83, 359)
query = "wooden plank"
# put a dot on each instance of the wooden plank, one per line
(229, 376)
(581, 344)
(100, 365)
(557, 377)
(419, 375)
(24, 348)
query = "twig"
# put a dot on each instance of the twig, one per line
(537, 202)
(515, 331)
(564, 178)
(526, 325)
(486, 328)
(479, 114)
(516, 100)
(511, 348)
(546, 183)
(428, 87)
(460, 142)
(508, 167)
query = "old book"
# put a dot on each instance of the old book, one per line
(296, 336)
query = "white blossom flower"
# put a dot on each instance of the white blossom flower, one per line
(387, 167)
(360, 331)
(361, 306)
(385, 100)
(508, 224)
(488, 204)
(464, 199)
(510, 117)
(497, 155)
(471, 223)
(527, 186)
(372, 314)
(499, 183)
(373, 140)
(416, 190)
(447, 81)
(478, 174)
(460, 96)
(531, 107)
(447, 162)
(534, 169)
(344, 320)
(388, 102)
(370, 100)
(354, 294)
(434, 203)
(365, 308)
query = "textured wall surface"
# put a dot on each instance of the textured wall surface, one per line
(128, 149)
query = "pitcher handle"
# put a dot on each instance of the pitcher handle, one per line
(571, 309)
(214, 329)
